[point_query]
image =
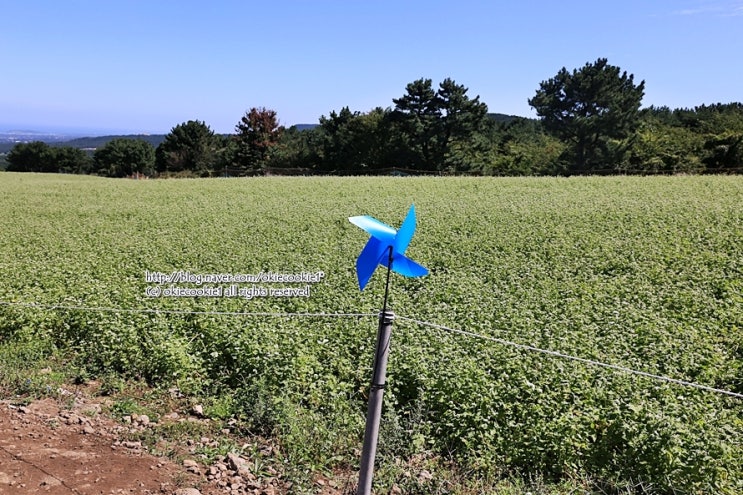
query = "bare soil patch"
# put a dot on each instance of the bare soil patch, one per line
(47, 448)
(73, 447)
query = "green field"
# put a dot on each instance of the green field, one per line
(644, 273)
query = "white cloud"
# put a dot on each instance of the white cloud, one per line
(715, 8)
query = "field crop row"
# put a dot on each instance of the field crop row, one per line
(645, 273)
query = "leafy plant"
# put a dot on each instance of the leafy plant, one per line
(642, 273)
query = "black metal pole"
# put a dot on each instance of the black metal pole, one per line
(374, 412)
(376, 393)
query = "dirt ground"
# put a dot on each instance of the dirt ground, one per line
(50, 447)
(47, 449)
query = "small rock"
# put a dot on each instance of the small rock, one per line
(143, 419)
(50, 481)
(132, 445)
(24, 409)
(198, 410)
(191, 466)
(239, 465)
(92, 409)
(187, 491)
(88, 430)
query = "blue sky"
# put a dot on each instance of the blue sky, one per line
(146, 66)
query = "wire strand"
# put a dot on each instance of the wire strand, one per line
(185, 312)
(591, 362)
(422, 323)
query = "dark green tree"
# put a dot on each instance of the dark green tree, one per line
(662, 148)
(340, 149)
(706, 138)
(724, 153)
(722, 126)
(257, 134)
(226, 151)
(297, 151)
(189, 147)
(464, 125)
(522, 147)
(71, 160)
(712, 119)
(122, 157)
(354, 142)
(417, 116)
(376, 138)
(35, 156)
(443, 130)
(594, 110)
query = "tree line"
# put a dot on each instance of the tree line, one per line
(590, 122)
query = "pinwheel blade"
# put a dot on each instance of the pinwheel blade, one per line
(383, 240)
(373, 253)
(374, 228)
(405, 266)
(406, 231)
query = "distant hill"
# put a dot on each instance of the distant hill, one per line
(9, 139)
(304, 127)
(502, 118)
(99, 141)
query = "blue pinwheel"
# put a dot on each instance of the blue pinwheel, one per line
(386, 247)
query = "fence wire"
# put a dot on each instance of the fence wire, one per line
(183, 312)
(591, 362)
(422, 323)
